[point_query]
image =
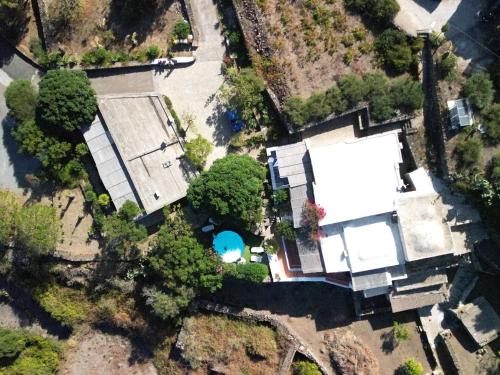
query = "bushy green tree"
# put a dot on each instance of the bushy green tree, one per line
(66, 99)
(378, 95)
(12, 342)
(400, 332)
(411, 367)
(232, 188)
(285, 228)
(167, 305)
(37, 229)
(306, 368)
(153, 52)
(129, 210)
(9, 208)
(251, 272)
(181, 29)
(447, 66)
(469, 150)
(244, 93)
(491, 120)
(197, 151)
(407, 94)
(294, 107)
(353, 89)
(21, 99)
(394, 51)
(380, 11)
(479, 89)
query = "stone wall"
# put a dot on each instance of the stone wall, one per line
(258, 317)
(40, 8)
(194, 27)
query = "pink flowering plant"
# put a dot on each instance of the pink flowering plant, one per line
(312, 214)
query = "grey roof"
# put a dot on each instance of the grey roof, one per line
(423, 230)
(460, 114)
(402, 301)
(370, 279)
(144, 137)
(294, 164)
(421, 279)
(108, 162)
(309, 254)
(298, 196)
(480, 320)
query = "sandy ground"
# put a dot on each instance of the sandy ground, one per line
(94, 352)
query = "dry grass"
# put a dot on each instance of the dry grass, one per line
(233, 345)
(311, 38)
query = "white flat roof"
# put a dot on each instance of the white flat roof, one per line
(361, 245)
(356, 179)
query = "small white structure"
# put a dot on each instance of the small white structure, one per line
(256, 258)
(257, 250)
(461, 114)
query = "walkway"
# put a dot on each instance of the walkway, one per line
(13, 167)
(193, 89)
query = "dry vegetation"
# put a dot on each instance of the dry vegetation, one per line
(231, 346)
(315, 42)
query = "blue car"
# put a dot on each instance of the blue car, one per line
(237, 123)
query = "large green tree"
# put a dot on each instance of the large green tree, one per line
(66, 99)
(407, 94)
(479, 89)
(232, 188)
(197, 150)
(380, 11)
(21, 99)
(37, 229)
(8, 211)
(491, 120)
(393, 50)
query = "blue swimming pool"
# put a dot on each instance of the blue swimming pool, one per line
(229, 245)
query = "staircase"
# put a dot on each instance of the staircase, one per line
(464, 281)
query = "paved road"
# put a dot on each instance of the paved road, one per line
(194, 89)
(13, 167)
(466, 30)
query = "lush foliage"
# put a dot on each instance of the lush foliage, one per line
(312, 214)
(280, 196)
(380, 11)
(8, 212)
(197, 150)
(494, 169)
(411, 367)
(491, 120)
(22, 352)
(383, 97)
(181, 29)
(37, 229)
(306, 368)
(66, 99)
(479, 89)
(469, 149)
(21, 99)
(447, 65)
(394, 51)
(121, 234)
(63, 304)
(285, 228)
(251, 272)
(243, 92)
(232, 188)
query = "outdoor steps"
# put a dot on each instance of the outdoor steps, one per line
(288, 359)
(464, 281)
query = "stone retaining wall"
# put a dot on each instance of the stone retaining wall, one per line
(257, 317)
(194, 27)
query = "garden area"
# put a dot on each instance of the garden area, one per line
(97, 33)
(373, 62)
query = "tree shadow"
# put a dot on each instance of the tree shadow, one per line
(389, 343)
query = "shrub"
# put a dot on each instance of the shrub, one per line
(469, 150)
(66, 99)
(447, 65)
(407, 94)
(181, 29)
(393, 50)
(103, 200)
(400, 332)
(352, 89)
(72, 173)
(197, 151)
(294, 107)
(90, 196)
(121, 235)
(494, 169)
(285, 228)
(12, 342)
(64, 304)
(81, 149)
(251, 272)
(306, 368)
(129, 210)
(280, 196)
(153, 52)
(37, 229)
(380, 11)
(491, 121)
(479, 89)
(8, 212)
(21, 99)
(165, 305)
(411, 367)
